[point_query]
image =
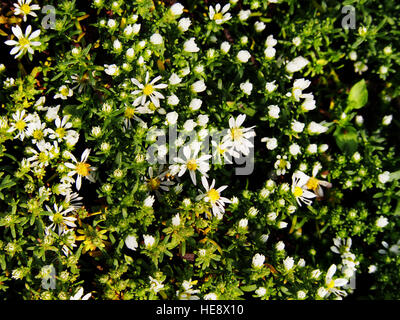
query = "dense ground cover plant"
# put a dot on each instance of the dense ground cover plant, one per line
(282, 181)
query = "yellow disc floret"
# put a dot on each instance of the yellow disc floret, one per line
(298, 192)
(129, 112)
(148, 89)
(312, 183)
(23, 41)
(191, 165)
(83, 169)
(213, 195)
(153, 183)
(218, 16)
(20, 125)
(236, 133)
(25, 8)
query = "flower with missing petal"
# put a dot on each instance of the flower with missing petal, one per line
(25, 41)
(81, 168)
(299, 180)
(332, 284)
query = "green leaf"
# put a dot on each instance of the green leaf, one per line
(249, 288)
(358, 96)
(346, 139)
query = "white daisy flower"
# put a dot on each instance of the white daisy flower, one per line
(297, 64)
(62, 126)
(213, 196)
(148, 90)
(112, 69)
(37, 130)
(238, 136)
(131, 242)
(314, 184)
(24, 42)
(218, 15)
(64, 92)
(25, 8)
(156, 182)
(81, 168)
(188, 293)
(281, 165)
(192, 162)
(20, 123)
(223, 149)
(42, 157)
(59, 219)
(332, 285)
(299, 179)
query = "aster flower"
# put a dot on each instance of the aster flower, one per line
(62, 128)
(81, 168)
(281, 165)
(41, 157)
(239, 136)
(156, 182)
(25, 8)
(64, 92)
(148, 90)
(59, 219)
(188, 293)
(213, 196)
(299, 179)
(37, 130)
(24, 42)
(192, 162)
(332, 284)
(223, 150)
(218, 15)
(315, 185)
(20, 123)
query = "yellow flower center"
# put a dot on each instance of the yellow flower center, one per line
(218, 16)
(152, 106)
(312, 183)
(236, 133)
(331, 284)
(129, 112)
(20, 125)
(298, 192)
(38, 134)
(191, 165)
(282, 164)
(148, 89)
(60, 132)
(154, 183)
(83, 169)
(23, 41)
(220, 150)
(64, 91)
(25, 8)
(213, 195)
(43, 157)
(58, 218)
